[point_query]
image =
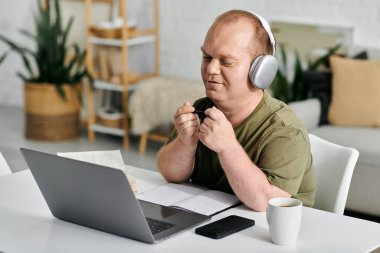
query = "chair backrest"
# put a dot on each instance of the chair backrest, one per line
(334, 165)
(4, 167)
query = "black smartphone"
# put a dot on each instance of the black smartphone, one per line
(223, 227)
(201, 115)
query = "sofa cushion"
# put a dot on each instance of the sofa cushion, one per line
(355, 92)
(319, 85)
(365, 139)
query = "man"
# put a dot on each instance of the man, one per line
(249, 143)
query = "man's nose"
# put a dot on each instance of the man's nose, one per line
(213, 67)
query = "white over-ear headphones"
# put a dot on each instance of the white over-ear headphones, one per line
(264, 68)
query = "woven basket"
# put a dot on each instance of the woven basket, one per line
(115, 123)
(48, 116)
(109, 33)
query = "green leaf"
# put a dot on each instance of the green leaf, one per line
(28, 34)
(297, 86)
(25, 79)
(15, 47)
(323, 59)
(284, 58)
(67, 30)
(28, 66)
(280, 87)
(2, 58)
(81, 63)
(60, 91)
(74, 60)
(58, 20)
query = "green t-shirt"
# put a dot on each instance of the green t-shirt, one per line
(275, 140)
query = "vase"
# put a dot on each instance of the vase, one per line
(50, 117)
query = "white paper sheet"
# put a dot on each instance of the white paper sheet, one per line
(109, 158)
(112, 158)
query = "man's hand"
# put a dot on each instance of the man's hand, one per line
(216, 132)
(187, 124)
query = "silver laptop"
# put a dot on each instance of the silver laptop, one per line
(101, 198)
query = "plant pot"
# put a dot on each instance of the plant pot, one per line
(48, 115)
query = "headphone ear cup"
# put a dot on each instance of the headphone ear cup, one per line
(263, 71)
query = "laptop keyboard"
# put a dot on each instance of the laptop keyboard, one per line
(157, 226)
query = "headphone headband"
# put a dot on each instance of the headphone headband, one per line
(266, 26)
(264, 67)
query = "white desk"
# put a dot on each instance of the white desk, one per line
(26, 225)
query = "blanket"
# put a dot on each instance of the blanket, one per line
(155, 101)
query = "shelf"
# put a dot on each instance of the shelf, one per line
(119, 42)
(107, 130)
(132, 86)
(96, 1)
(124, 80)
(104, 85)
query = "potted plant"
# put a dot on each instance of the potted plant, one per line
(295, 90)
(55, 72)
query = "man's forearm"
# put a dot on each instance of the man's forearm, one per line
(175, 161)
(248, 181)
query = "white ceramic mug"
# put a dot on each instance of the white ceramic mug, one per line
(284, 217)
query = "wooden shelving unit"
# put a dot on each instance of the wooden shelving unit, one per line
(127, 84)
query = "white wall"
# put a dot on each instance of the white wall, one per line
(184, 23)
(14, 15)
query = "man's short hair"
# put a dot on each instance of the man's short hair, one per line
(261, 44)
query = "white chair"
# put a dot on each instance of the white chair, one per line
(4, 167)
(334, 165)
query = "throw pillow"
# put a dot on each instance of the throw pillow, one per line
(355, 92)
(319, 85)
